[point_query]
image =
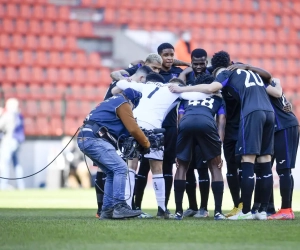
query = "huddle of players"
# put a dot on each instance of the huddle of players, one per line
(249, 134)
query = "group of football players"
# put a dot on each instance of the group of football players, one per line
(202, 109)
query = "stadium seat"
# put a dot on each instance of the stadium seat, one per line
(73, 28)
(38, 12)
(25, 75)
(22, 26)
(65, 76)
(71, 125)
(31, 108)
(92, 76)
(13, 58)
(79, 76)
(68, 59)
(64, 13)
(109, 16)
(45, 108)
(37, 75)
(94, 60)
(31, 42)
(34, 91)
(86, 29)
(17, 42)
(35, 27)
(81, 59)
(58, 108)
(7, 26)
(72, 108)
(57, 43)
(48, 27)
(42, 125)
(56, 126)
(11, 74)
(71, 44)
(4, 41)
(61, 28)
(51, 12)
(52, 75)
(42, 60)
(30, 126)
(11, 10)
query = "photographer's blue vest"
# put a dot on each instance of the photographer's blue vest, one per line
(105, 115)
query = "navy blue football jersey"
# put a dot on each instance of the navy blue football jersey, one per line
(250, 89)
(171, 118)
(105, 115)
(283, 119)
(208, 107)
(233, 112)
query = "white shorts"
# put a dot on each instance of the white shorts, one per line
(154, 154)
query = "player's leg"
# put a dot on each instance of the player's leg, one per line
(191, 190)
(264, 163)
(204, 186)
(209, 142)
(217, 185)
(179, 186)
(18, 170)
(170, 137)
(99, 187)
(257, 200)
(141, 182)
(184, 148)
(232, 175)
(130, 180)
(285, 151)
(158, 184)
(248, 146)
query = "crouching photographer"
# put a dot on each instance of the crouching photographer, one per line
(110, 120)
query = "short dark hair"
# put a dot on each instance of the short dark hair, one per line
(177, 80)
(164, 46)
(204, 79)
(154, 77)
(220, 59)
(145, 70)
(197, 53)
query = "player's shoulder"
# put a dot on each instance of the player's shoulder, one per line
(175, 69)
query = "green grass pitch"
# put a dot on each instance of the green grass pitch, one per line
(64, 219)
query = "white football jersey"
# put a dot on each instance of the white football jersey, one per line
(157, 100)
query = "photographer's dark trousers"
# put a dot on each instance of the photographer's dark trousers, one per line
(170, 137)
(105, 156)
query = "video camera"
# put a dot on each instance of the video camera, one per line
(130, 147)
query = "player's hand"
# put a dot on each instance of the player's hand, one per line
(176, 162)
(128, 79)
(143, 151)
(238, 66)
(287, 107)
(174, 88)
(220, 165)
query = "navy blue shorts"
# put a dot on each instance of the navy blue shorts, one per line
(256, 134)
(197, 161)
(285, 147)
(195, 130)
(233, 161)
(170, 138)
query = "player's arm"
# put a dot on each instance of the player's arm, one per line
(124, 84)
(124, 112)
(204, 88)
(119, 74)
(221, 122)
(137, 62)
(184, 73)
(261, 72)
(276, 89)
(180, 112)
(180, 63)
(194, 96)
